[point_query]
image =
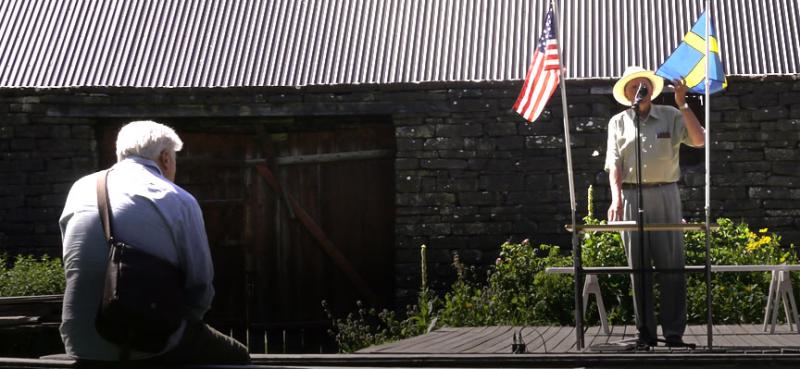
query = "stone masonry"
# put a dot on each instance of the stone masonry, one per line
(470, 174)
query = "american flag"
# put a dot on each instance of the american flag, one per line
(542, 78)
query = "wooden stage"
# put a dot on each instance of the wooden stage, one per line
(546, 347)
(561, 340)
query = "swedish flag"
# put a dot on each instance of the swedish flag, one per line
(688, 61)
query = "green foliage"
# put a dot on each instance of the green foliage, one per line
(31, 276)
(364, 328)
(467, 303)
(605, 249)
(368, 326)
(517, 291)
(738, 297)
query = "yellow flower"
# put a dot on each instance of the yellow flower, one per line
(755, 244)
(763, 230)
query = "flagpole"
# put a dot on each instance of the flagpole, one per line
(576, 250)
(708, 176)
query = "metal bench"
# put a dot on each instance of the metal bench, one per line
(780, 289)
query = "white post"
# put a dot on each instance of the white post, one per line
(564, 107)
(576, 251)
(707, 104)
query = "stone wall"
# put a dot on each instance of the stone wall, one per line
(40, 156)
(470, 173)
(475, 176)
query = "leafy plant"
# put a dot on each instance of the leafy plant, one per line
(737, 297)
(604, 249)
(369, 326)
(518, 291)
(29, 276)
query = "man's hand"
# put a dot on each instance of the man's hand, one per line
(693, 127)
(615, 211)
(680, 91)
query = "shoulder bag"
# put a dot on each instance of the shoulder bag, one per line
(143, 301)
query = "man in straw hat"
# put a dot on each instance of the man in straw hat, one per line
(663, 129)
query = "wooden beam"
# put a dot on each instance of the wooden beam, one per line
(631, 226)
(15, 300)
(327, 158)
(10, 321)
(292, 160)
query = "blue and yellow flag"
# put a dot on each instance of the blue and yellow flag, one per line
(688, 61)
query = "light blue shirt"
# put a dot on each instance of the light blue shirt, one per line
(150, 213)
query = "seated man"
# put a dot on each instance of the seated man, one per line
(158, 217)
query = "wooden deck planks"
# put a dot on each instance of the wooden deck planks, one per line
(567, 341)
(719, 338)
(762, 338)
(554, 339)
(758, 337)
(698, 335)
(593, 335)
(425, 339)
(558, 335)
(735, 337)
(499, 342)
(536, 338)
(487, 338)
(469, 340)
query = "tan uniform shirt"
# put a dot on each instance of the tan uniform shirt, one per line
(662, 132)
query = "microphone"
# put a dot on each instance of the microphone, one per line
(641, 93)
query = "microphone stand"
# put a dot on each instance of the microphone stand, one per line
(640, 274)
(629, 343)
(640, 216)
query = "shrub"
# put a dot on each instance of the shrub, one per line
(366, 327)
(517, 291)
(467, 303)
(369, 326)
(605, 249)
(737, 297)
(31, 276)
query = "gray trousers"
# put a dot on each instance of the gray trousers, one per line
(665, 250)
(202, 344)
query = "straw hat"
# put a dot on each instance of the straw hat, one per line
(632, 73)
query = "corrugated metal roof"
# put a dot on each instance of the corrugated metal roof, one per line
(207, 43)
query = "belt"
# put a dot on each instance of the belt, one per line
(647, 184)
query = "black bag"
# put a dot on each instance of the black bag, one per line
(143, 300)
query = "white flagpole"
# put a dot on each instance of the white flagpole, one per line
(708, 173)
(576, 252)
(566, 115)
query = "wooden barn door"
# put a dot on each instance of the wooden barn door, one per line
(271, 270)
(343, 180)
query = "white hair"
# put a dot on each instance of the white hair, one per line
(146, 139)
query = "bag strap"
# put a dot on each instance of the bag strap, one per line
(102, 205)
(105, 218)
